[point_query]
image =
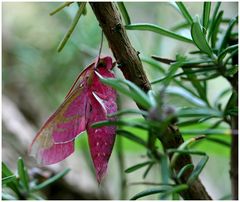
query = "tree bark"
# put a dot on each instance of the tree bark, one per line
(131, 66)
(234, 126)
(234, 145)
(234, 159)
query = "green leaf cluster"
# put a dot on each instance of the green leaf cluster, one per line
(21, 185)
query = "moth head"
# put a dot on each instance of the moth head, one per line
(106, 62)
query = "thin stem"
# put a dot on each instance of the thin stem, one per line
(120, 155)
(72, 26)
(99, 53)
(61, 7)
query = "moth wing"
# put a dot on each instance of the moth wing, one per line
(80, 78)
(101, 140)
(102, 100)
(55, 140)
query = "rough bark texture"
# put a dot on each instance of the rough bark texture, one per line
(126, 56)
(131, 66)
(196, 191)
(234, 143)
(234, 159)
(234, 126)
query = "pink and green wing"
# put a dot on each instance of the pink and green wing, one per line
(88, 101)
(55, 140)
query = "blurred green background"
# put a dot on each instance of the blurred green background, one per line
(36, 77)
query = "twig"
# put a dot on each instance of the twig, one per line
(72, 27)
(121, 160)
(126, 56)
(61, 7)
(234, 126)
(234, 160)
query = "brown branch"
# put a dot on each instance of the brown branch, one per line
(234, 143)
(234, 160)
(126, 56)
(234, 126)
(131, 66)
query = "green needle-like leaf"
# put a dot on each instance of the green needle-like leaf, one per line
(199, 38)
(173, 68)
(132, 137)
(139, 94)
(215, 13)
(186, 95)
(232, 102)
(51, 180)
(219, 141)
(204, 69)
(180, 26)
(188, 122)
(221, 95)
(229, 49)
(153, 63)
(185, 12)
(128, 111)
(186, 151)
(206, 14)
(175, 189)
(198, 169)
(141, 125)
(207, 132)
(226, 36)
(138, 166)
(150, 192)
(199, 112)
(235, 68)
(218, 4)
(215, 29)
(124, 12)
(84, 10)
(164, 189)
(62, 6)
(147, 170)
(157, 29)
(8, 179)
(135, 92)
(115, 83)
(205, 78)
(72, 26)
(6, 172)
(184, 169)
(183, 148)
(165, 169)
(22, 172)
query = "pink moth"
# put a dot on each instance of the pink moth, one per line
(87, 102)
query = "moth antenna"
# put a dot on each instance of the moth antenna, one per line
(100, 50)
